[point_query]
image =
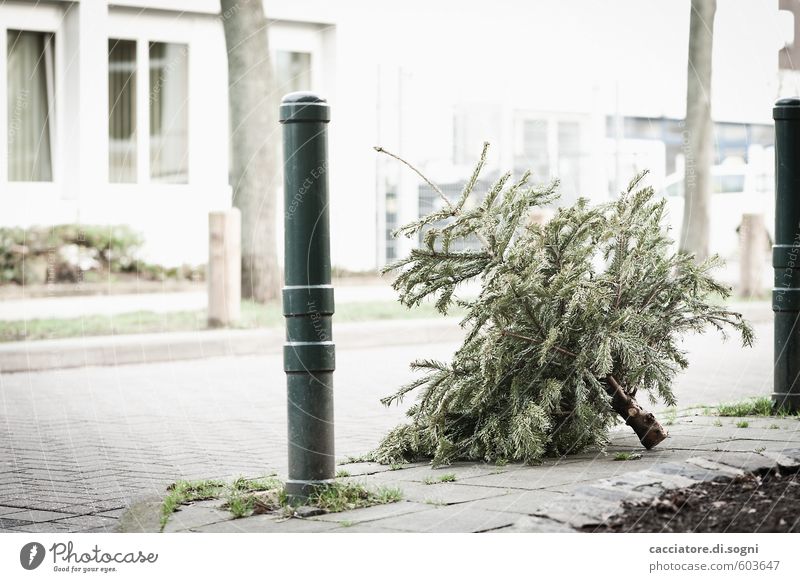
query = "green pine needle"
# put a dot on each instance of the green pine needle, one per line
(595, 291)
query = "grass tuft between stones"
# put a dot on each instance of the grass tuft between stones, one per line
(446, 478)
(182, 492)
(244, 497)
(344, 496)
(760, 406)
(627, 456)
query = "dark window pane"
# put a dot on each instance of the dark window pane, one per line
(293, 72)
(121, 110)
(169, 112)
(30, 96)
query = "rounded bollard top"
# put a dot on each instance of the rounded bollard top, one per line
(787, 108)
(303, 106)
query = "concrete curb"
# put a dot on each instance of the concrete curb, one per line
(34, 356)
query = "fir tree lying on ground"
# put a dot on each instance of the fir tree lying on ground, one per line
(576, 318)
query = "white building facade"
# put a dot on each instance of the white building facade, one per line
(116, 113)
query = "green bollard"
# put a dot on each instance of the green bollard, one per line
(786, 255)
(308, 354)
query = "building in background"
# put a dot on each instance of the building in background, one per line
(116, 111)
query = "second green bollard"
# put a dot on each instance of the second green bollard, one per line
(786, 255)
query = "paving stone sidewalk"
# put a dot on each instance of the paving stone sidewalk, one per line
(557, 496)
(80, 445)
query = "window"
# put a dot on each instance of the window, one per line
(30, 106)
(720, 184)
(122, 110)
(391, 224)
(169, 112)
(728, 184)
(168, 105)
(293, 72)
(534, 147)
(429, 201)
(569, 156)
(676, 189)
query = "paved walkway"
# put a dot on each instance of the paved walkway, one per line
(79, 445)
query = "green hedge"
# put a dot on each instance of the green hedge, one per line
(71, 253)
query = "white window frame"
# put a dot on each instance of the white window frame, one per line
(552, 120)
(139, 82)
(298, 37)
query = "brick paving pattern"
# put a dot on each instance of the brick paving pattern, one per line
(79, 445)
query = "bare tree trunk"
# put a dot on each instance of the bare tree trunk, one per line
(254, 132)
(698, 131)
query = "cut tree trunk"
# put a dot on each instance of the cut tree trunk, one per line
(643, 423)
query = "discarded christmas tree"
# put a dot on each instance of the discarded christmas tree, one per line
(576, 318)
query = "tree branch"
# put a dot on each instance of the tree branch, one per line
(436, 189)
(643, 423)
(535, 341)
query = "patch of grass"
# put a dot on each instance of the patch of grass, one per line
(784, 412)
(246, 497)
(761, 406)
(258, 484)
(627, 456)
(254, 315)
(501, 462)
(345, 496)
(395, 467)
(446, 478)
(341, 473)
(347, 523)
(672, 415)
(389, 495)
(240, 505)
(760, 449)
(742, 424)
(773, 426)
(718, 422)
